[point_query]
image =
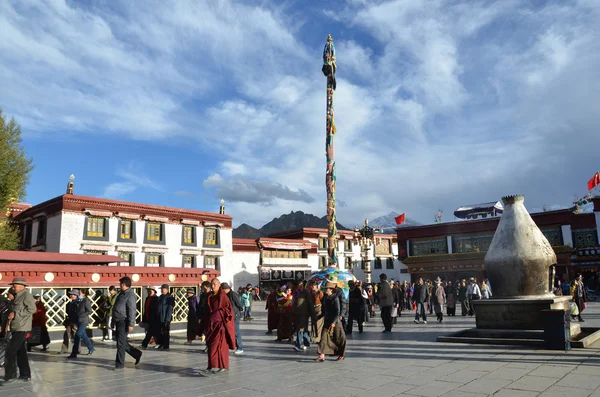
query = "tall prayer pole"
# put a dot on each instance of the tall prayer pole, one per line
(329, 68)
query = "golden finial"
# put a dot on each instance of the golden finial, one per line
(329, 38)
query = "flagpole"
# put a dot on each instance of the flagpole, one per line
(329, 67)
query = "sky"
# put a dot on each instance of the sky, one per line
(183, 103)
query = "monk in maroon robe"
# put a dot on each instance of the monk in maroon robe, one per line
(219, 328)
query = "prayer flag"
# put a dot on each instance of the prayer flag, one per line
(400, 219)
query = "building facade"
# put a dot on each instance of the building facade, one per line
(456, 250)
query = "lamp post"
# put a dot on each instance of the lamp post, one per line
(365, 237)
(329, 67)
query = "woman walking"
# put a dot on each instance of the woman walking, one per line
(438, 300)
(450, 299)
(333, 338)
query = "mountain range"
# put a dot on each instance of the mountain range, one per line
(298, 220)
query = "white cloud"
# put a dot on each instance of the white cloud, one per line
(134, 179)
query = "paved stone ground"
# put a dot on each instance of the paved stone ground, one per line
(407, 362)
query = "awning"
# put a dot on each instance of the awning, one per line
(102, 214)
(190, 222)
(156, 218)
(285, 246)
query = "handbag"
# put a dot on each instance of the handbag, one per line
(395, 312)
(35, 336)
(574, 309)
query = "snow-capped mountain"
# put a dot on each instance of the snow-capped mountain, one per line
(388, 224)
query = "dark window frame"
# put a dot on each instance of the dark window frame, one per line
(325, 244)
(218, 230)
(389, 264)
(131, 255)
(132, 232)
(96, 238)
(161, 259)
(194, 261)
(194, 240)
(349, 247)
(41, 238)
(217, 261)
(162, 240)
(378, 265)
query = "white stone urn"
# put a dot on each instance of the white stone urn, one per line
(519, 258)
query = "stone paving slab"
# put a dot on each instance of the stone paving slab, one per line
(407, 362)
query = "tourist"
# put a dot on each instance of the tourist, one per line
(438, 300)
(333, 337)
(341, 295)
(256, 296)
(246, 303)
(248, 309)
(150, 318)
(303, 309)
(397, 298)
(473, 294)
(70, 321)
(365, 302)
(429, 302)
(238, 309)
(206, 290)
(123, 320)
(485, 291)
(318, 320)
(39, 321)
(579, 294)
(284, 301)
(110, 303)
(84, 310)
(192, 318)
(166, 303)
(356, 308)
(19, 320)
(386, 302)
(420, 297)
(272, 311)
(218, 325)
(371, 296)
(450, 299)
(463, 298)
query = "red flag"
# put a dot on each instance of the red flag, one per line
(400, 219)
(595, 181)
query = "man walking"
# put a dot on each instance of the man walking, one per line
(166, 303)
(84, 309)
(20, 324)
(236, 304)
(579, 295)
(110, 303)
(303, 309)
(123, 321)
(386, 302)
(420, 296)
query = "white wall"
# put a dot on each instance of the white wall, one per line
(242, 270)
(71, 232)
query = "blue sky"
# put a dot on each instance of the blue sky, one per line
(182, 103)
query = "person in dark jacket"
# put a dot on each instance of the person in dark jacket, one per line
(123, 320)
(151, 318)
(333, 338)
(192, 320)
(420, 297)
(462, 298)
(236, 304)
(339, 293)
(166, 303)
(83, 312)
(356, 308)
(397, 298)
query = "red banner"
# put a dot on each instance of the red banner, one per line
(595, 181)
(400, 219)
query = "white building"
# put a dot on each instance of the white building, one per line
(155, 236)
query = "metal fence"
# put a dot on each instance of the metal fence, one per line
(55, 300)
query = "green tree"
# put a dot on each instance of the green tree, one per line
(15, 170)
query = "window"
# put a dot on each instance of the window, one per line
(128, 256)
(363, 264)
(347, 245)
(212, 262)
(323, 261)
(188, 235)
(154, 232)
(188, 261)
(348, 263)
(322, 243)
(153, 260)
(94, 252)
(377, 263)
(266, 254)
(389, 263)
(211, 235)
(95, 227)
(41, 232)
(125, 231)
(28, 232)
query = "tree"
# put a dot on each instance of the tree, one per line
(15, 170)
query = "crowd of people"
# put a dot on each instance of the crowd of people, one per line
(302, 313)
